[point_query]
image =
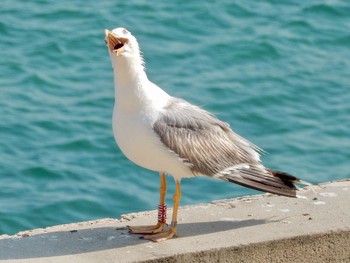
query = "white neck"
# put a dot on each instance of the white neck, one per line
(133, 91)
(129, 76)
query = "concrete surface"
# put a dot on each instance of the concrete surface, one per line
(261, 228)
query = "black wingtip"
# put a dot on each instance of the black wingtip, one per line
(287, 178)
(275, 182)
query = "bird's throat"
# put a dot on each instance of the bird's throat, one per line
(128, 85)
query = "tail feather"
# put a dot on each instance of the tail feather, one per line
(270, 181)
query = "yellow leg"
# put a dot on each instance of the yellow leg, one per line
(164, 235)
(161, 218)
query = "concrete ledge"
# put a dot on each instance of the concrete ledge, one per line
(261, 228)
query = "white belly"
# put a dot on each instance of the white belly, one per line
(139, 143)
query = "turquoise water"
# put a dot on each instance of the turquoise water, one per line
(277, 71)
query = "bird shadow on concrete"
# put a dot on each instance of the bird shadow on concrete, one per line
(73, 242)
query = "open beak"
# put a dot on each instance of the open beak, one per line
(115, 43)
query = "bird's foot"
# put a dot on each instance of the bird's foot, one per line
(147, 229)
(161, 236)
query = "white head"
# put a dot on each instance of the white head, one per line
(123, 47)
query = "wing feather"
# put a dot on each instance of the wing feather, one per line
(211, 148)
(202, 140)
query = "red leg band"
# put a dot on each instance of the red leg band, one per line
(161, 213)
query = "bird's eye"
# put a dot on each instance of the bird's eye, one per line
(125, 32)
(105, 41)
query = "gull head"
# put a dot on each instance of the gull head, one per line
(121, 44)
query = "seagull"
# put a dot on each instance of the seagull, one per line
(169, 135)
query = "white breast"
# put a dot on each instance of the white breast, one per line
(133, 132)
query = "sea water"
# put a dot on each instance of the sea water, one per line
(277, 71)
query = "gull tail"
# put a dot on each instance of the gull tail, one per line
(270, 181)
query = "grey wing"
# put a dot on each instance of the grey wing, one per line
(207, 144)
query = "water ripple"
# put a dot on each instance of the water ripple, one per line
(278, 72)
